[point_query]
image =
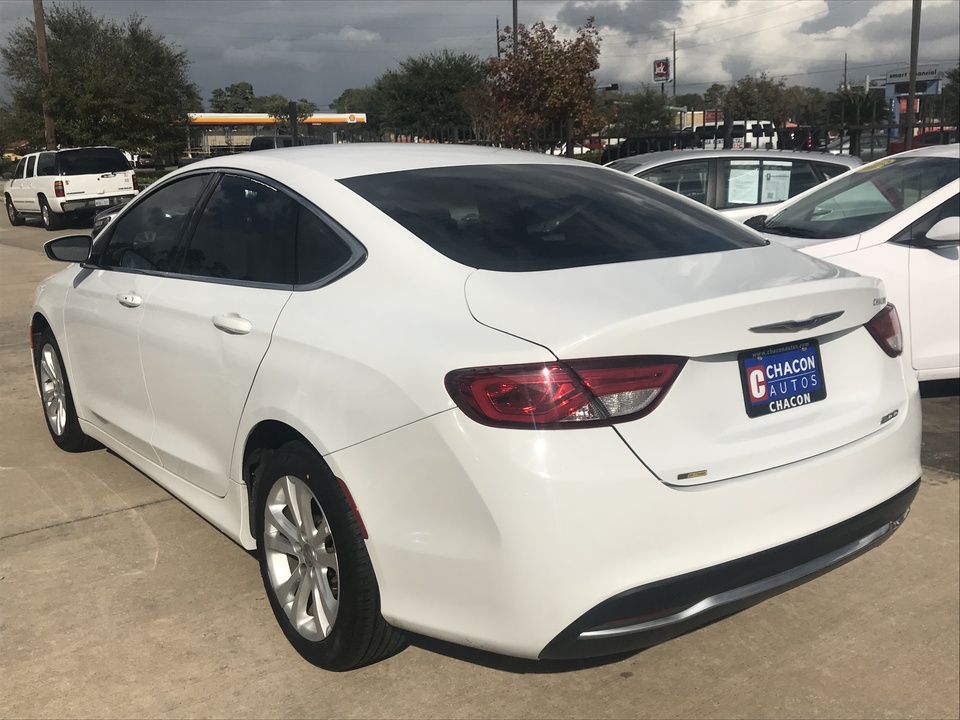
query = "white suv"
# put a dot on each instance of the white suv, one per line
(58, 184)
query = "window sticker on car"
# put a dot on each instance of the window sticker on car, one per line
(875, 165)
(781, 378)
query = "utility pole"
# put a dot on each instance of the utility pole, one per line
(844, 71)
(912, 90)
(515, 25)
(41, 31)
(498, 38)
(674, 63)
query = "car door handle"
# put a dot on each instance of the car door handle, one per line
(233, 324)
(130, 300)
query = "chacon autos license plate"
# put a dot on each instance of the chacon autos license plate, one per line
(782, 377)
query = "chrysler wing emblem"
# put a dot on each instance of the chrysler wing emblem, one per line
(797, 325)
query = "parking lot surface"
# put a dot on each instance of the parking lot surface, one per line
(118, 601)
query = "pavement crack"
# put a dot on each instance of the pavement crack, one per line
(87, 517)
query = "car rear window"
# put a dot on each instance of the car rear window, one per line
(91, 161)
(523, 218)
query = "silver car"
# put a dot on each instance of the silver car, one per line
(737, 183)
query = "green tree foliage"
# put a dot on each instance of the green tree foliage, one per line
(691, 101)
(806, 105)
(108, 83)
(756, 98)
(852, 106)
(714, 96)
(423, 97)
(236, 98)
(545, 84)
(641, 112)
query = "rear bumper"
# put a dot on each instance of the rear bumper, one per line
(652, 613)
(91, 204)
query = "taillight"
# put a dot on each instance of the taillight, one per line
(885, 328)
(58, 188)
(567, 394)
(136, 183)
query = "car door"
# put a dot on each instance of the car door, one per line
(934, 276)
(106, 307)
(207, 327)
(15, 186)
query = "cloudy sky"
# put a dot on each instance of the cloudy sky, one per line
(317, 48)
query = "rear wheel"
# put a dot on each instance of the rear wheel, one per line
(315, 565)
(16, 219)
(58, 408)
(51, 221)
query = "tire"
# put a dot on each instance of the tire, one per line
(316, 570)
(16, 219)
(57, 400)
(51, 221)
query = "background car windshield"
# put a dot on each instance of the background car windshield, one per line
(89, 161)
(522, 218)
(864, 198)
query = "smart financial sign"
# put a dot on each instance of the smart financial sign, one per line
(924, 72)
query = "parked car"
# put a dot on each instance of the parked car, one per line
(521, 403)
(897, 219)
(56, 185)
(940, 136)
(872, 146)
(736, 182)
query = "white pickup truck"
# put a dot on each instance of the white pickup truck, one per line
(58, 184)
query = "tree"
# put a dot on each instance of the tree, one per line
(642, 112)
(108, 83)
(691, 101)
(756, 98)
(236, 98)
(714, 96)
(424, 96)
(545, 86)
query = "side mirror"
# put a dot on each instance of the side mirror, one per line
(70, 248)
(945, 232)
(756, 222)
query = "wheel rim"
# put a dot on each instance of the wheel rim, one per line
(301, 558)
(52, 391)
(11, 213)
(45, 213)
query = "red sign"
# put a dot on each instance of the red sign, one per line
(662, 72)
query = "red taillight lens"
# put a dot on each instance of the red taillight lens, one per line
(885, 328)
(563, 394)
(58, 188)
(136, 183)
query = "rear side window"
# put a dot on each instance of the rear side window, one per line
(45, 164)
(525, 218)
(31, 161)
(830, 170)
(757, 182)
(246, 233)
(688, 178)
(320, 250)
(91, 161)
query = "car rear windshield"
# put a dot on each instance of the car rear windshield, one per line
(523, 218)
(91, 161)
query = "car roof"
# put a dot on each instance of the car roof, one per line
(351, 160)
(948, 150)
(650, 160)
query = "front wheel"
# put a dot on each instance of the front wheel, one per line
(16, 219)
(315, 565)
(58, 408)
(51, 221)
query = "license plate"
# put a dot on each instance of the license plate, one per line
(101, 202)
(782, 378)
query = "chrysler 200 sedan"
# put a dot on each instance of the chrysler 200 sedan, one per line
(520, 403)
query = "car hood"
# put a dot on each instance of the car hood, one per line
(816, 247)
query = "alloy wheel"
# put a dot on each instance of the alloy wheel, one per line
(52, 390)
(301, 558)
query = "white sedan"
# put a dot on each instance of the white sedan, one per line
(521, 403)
(897, 219)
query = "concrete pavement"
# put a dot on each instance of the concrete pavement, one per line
(118, 601)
